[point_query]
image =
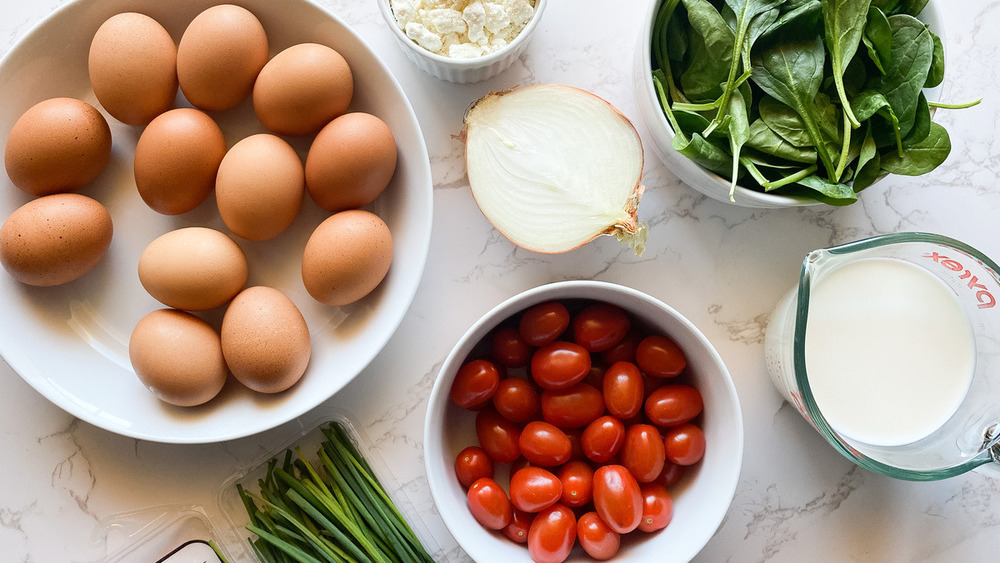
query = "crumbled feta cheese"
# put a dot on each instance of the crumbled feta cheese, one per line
(475, 17)
(462, 28)
(519, 11)
(465, 51)
(446, 20)
(496, 17)
(405, 11)
(423, 36)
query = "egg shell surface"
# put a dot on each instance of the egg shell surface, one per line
(259, 187)
(55, 239)
(133, 68)
(346, 257)
(178, 357)
(219, 56)
(350, 162)
(302, 88)
(176, 160)
(193, 268)
(58, 145)
(265, 340)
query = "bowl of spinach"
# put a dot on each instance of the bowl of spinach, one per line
(786, 103)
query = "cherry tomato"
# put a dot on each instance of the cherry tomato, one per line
(543, 323)
(577, 484)
(534, 489)
(685, 444)
(572, 408)
(671, 405)
(643, 452)
(559, 365)
(471, 464)
(475, 383)
(489, 504)
(516, 399)
(543, 444)
(600, 326)
(617, 498)
(660, 356)
(498, 436)
(671, 474)
(657, 507)
(596, 538)
(623, 389)
(552, 535)
(507, 348)
(602, 439)
(624, 351)
(517, 530)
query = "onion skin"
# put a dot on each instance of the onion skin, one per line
(619, 219)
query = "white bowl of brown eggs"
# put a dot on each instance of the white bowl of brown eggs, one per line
(214, 215)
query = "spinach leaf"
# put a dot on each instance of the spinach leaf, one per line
(803, 16)
(744, 12)
(936, 73)
(739, 131)
(878, 38)
(921, 124)
(690, 122)
(792, 74)
(711, 50)
(764, 139)
(922, 157)
(844, 23)
(887, 6)
(705, 153)
(912, 7)
(912, 52)
(833, 193)
(787, 123)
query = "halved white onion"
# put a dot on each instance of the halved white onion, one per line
(552, 167)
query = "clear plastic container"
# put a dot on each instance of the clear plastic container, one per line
(188, 534)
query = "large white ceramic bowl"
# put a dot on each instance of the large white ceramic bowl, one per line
(701, 499)
(71, 342)
(462, 71)
(662, 134)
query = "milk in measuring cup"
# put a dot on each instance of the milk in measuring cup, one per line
(889, 351)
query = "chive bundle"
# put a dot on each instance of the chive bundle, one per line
(336, 514)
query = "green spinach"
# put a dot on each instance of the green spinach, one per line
(780, 95)
(844, 23)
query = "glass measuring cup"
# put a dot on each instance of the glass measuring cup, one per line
(970, 437)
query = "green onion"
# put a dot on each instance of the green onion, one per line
(338, 513)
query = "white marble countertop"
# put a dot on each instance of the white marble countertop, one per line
(722, 266)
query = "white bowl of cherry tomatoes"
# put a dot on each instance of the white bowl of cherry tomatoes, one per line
(583, 420)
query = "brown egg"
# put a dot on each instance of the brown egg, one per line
(178, 357)
(259, 187)
(133, 68)
(346, 257)
(302, 88)
(57, 146)
(265, 340)
(219, 56)
(55, 239)
(350, 162)
(194, 268)
(176, 160)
